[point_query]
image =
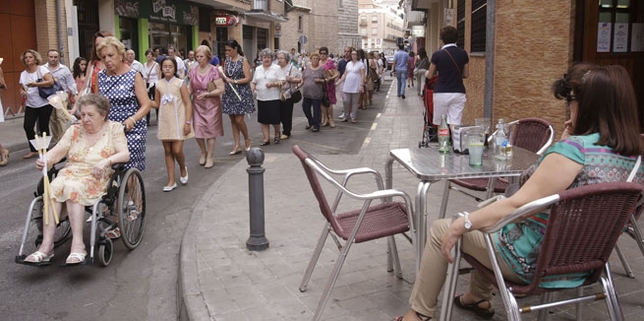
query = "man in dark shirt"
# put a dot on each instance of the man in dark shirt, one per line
(342, 64)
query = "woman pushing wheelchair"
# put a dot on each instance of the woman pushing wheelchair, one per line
(91, 147)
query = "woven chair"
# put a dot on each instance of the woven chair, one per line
(635, 233)
(532, 134)
(583, 227)
(384, 219)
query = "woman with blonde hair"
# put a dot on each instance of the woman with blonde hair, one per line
(37, 109)
(128, 96)
(207, 87)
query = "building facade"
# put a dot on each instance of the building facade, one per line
(517, 49)
(69, 26)
(380, 26)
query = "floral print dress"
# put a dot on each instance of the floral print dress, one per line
(75, 181)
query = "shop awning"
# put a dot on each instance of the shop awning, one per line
(265, 15)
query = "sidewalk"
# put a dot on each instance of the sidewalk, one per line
(219, 279)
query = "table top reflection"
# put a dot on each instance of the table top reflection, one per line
(430, 165)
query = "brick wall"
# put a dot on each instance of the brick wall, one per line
(324, 25)
(532, 49)
(347, 26)
(47, 32)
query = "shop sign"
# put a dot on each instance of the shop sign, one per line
(227, 21)
(173, 11)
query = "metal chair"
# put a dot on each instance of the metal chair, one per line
(583, 226)
(370, 222)
(533, 134)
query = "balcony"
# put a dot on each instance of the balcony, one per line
(260, 5)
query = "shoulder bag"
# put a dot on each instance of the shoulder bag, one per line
(325, 97)
(296, 95)
(45, 92)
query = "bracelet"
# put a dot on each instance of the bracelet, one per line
(134, 120)
(109, 162)
(235, 81)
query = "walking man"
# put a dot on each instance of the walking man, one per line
(58, 122)
(401, 59)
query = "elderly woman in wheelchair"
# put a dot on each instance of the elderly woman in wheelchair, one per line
(600, 144)
(91, 147)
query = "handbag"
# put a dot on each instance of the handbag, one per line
(45, 92)
(296, 96)
(325, 97)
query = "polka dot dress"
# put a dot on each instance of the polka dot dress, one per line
(120, 91)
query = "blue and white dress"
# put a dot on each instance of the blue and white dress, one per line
(124, 104)
(231, 104)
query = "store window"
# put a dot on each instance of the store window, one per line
(617, 22)
(479, 22)
(163, 35)
(129, 35)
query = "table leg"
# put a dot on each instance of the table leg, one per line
(421, 221)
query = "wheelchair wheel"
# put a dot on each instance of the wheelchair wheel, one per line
(35, 226)
(105, 252)
(131, 208)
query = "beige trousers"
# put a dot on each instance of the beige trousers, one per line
(433, 269)
(58, 124)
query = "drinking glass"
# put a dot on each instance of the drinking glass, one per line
(475, 141)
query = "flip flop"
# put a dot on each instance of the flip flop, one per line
(76, 256)
(474, 307)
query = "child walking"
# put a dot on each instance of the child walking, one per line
(175, 120)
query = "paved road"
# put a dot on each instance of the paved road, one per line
(141, 284)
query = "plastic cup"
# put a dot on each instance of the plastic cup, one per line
(475, 143)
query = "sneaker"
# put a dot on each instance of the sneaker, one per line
(342, 116)
(284, 136)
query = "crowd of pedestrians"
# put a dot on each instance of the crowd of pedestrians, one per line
(191, 95)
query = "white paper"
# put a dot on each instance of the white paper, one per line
(637, 38)
(620, 42)
(603, 37)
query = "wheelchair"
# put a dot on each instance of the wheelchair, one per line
(123, 206)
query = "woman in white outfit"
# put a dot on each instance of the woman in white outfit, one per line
(354, 80)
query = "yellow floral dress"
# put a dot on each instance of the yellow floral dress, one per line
(75, 181)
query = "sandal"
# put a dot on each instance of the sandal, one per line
(38, 258)
(474, 307)
(113, 233)
(4, 154)
(76, 258)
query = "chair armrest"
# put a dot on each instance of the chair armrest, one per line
(522, 212)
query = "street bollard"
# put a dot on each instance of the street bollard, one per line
(257, 240)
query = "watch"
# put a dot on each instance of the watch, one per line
(468, 223)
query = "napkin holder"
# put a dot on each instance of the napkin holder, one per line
(459, 135)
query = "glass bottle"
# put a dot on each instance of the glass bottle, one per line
(500, 141)
(443, 135)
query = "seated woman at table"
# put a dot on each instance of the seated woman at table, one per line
(600, 143)
(91, 148)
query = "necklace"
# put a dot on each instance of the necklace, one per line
(204, 70)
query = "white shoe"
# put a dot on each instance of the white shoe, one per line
(169, 188)
(342, 116)
(184, 179)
